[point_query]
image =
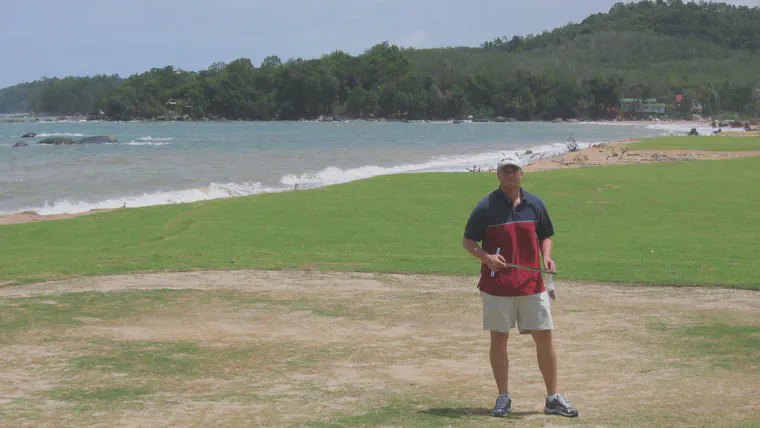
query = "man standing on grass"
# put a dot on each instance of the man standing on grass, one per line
(514, 225)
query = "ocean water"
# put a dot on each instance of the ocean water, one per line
(173, 162)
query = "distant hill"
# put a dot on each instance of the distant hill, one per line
(57, 96)
(659, 49)
(20, 98)
(663, 63)
(721, 24)
(691, 57)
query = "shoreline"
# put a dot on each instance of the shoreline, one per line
(601, 154)
(615, 153)
(375, 120)
(33, 217)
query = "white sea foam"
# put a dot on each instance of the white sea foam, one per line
(213, 191)
(684, 128)
(59, 134)
(461, 163)
(325, 177)
(670, 128)
(149, 138)
(141, 143)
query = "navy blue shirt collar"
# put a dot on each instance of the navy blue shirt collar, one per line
(523, 196)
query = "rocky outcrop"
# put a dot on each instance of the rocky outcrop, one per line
(97, 139)
(20, 144)
(29, 135)
(57, 141)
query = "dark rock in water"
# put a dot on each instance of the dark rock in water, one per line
(20, 144)
(499, 119)
(29, 135)
(57, 141)
(693, 131)
(98, 139)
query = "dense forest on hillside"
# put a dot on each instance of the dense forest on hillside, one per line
(684, 55)
(70, 95)
(727, 26)
(20, 98)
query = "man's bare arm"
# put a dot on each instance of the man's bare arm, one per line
(546, 251)
(493, 261)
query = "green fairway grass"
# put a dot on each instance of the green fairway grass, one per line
(719, 143)
(691, 223)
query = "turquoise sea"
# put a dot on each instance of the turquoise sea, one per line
(173, 162)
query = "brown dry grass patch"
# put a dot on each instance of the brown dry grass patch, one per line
(253, 348)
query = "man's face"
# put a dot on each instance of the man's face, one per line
(510, 175)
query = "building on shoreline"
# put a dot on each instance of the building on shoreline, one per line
(636, 108)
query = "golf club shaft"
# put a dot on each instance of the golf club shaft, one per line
(530, 268)
(493, 272)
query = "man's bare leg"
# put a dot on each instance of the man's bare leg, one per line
(547, 359)
(500, 360)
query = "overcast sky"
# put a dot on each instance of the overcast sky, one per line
(85, 37)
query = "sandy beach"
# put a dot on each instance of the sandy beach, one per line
(31, 217)
(616, 153)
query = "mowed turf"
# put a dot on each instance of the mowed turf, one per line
(691, 223)
(719, 143)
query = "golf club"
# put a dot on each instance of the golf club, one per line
(512, 265)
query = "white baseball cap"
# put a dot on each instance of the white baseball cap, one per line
(510, 160)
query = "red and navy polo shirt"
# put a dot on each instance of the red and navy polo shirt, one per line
(517, 232)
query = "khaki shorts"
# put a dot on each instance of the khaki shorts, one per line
(528, 312)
